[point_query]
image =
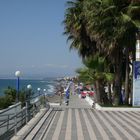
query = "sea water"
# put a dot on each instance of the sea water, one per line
(48, 84)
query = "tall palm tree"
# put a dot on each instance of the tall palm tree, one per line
(131, 18)
(95, 73)
(102, 76)
(113, 27)
(75, 29)
(106, 27)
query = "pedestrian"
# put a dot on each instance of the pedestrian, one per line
(67, 97)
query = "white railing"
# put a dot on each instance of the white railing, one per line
(15, 117)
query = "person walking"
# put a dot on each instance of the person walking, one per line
(67, 97)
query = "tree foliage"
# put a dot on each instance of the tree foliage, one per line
(10, 97)
(104, 33)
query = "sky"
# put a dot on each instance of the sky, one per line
(32, 40)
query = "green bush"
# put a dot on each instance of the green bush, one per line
(5, 102)
(10, 97)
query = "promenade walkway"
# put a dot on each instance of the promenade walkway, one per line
(80, 122)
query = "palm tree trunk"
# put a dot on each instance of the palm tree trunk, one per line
(103, 94)
(98, 96)
(127, 77)
(118, 77)
(109, 93)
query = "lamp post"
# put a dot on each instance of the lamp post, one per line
(44, 91)
(29, 87)
(17, 74)
(39, 89)
(44, 97)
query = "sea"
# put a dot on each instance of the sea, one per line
(48, 83)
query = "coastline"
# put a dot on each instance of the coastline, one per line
(48, 84)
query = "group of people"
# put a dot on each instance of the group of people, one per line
(64, 92)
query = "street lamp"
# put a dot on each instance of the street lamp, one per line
(44, 91)
(39, 89)
(44, 97)
(29, 87)
(17, 74)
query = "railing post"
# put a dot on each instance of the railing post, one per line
(22, 121)
(44, 100)
(8, 123)
(40, 103)
(33, 110)
(15, 120)
(26, 112)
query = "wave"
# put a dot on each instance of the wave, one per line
(50, 89)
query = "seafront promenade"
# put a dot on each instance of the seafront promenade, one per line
(78, 121)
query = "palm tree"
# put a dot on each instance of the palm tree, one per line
(132, 23)
(112, 27)
(74, 26)
(107, 28)
(95, 73)
(102, 76)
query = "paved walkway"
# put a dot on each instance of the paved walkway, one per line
(79, 122)
(88, 124)
(76, 102)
